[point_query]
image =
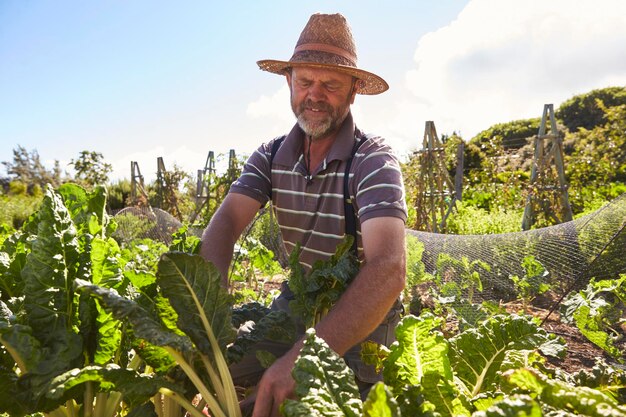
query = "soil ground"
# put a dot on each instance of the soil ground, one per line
(581, 353)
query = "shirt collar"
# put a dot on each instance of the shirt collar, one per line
(291, 150)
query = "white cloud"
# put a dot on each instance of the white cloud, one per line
(502, 60)
(272, 112)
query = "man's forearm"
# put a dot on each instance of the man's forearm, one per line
(363, 306)
(217, 247)
(218, 239)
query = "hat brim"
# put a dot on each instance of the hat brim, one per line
(373, 84)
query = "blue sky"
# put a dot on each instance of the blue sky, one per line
(135, 80)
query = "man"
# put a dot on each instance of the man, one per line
(305, 181)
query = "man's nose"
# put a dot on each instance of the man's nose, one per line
(316, 92)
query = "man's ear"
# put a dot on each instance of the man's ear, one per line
(288, 77)
(358, 84)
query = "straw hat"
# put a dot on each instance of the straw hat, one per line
(326, 42)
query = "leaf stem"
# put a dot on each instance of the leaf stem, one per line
(216, 410)
(182, 402)
(112, 404)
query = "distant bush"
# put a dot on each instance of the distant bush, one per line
(15, 209)
(506, 135)
(119, 195)
(18, 188)
(583, 110)
(469, 220)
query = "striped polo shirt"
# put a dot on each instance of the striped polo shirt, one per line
(310, 210)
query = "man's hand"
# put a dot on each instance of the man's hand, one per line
(276, 385)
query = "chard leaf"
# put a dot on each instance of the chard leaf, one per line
(417, 351)
(49, 304)
(249, 312)
(515, 359)
(88, 210)
(144, 325)
(419, 358)
(563, 396)
(106, 270)
(183, 241)
(193, 287)
(13, 254)
(380, 402)
(592, 296)
(590, 324)
(483, 401)
(477, 354)
(277, 326)
(591, 321)
(19, 341)
(514, 406)
(444, 395)
(140, 279)
(135, 388)
(48, 275)
(75, 199)
(265, 358)
(14, 400)
(100, 330)
(316, 292)
(412, 403)
(604, 378)
(374, 354)
(595, 309)
(324, 383)
(155, 356)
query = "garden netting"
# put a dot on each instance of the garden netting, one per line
(145, 222)
(565, 256)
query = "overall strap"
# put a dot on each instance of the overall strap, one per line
(273, 151)
(348, 207)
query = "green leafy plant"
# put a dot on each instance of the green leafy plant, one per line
(193, 289)
(324, 383)
(596, 310)
(415, 273)
(61, 352)
(253, 263)
(560, 395)
(426, 375)
(194, 324)
(603, 377)
(316, 292)
(457, 275)
(533, 282)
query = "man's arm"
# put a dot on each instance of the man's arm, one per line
(227, 224)
(358, 312)
(374, 290)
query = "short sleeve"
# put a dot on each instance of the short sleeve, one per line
(377, 182)
(255, 179)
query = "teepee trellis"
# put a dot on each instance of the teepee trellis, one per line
(436, 193)
(548, 187)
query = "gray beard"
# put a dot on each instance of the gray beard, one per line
(316, 130)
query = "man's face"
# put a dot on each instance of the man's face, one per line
(320, 99)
